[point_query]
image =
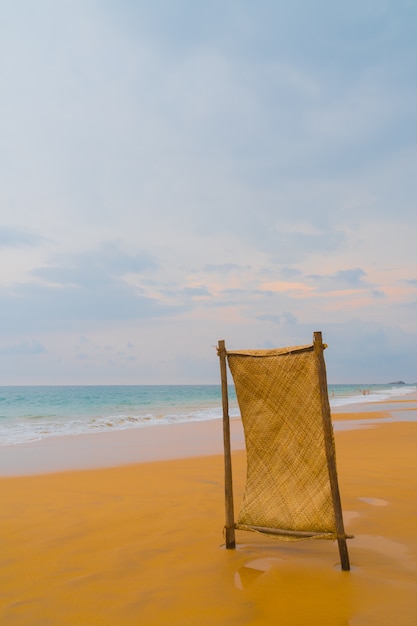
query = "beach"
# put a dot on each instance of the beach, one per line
(126, 528)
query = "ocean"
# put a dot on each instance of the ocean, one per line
(32, 413)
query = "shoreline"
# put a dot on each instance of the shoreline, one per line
(165, 442)
(170, 441)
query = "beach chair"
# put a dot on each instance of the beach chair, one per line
(292, 490)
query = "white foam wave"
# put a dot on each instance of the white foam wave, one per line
(27, 431)
(378, 395)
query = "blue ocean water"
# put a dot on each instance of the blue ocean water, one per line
(32, 413)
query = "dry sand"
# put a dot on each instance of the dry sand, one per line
(142, 543)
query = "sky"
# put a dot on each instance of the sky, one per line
(177, 172)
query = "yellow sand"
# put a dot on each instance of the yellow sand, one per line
(141, 545)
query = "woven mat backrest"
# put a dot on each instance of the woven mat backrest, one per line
(287, 484)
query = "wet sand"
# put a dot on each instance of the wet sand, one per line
(142, 543)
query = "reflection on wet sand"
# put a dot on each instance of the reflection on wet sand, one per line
(374, 501)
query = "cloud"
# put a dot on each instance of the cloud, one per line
(351, 276)
(284, 318)
(25, 348)
(200, 291)
(41, 307)
(225, 268)
(94, 267)
(369, 351)
(349, 280)
(84, 288)
(18, 237)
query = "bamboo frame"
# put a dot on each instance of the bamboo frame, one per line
(230, 525)
(330, 451)
(228, 481)
(302, 534)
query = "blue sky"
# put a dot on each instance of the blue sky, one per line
(174, 173)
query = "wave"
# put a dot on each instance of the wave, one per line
(37, 413)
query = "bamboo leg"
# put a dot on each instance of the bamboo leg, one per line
(228, 483)
(330, 452)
